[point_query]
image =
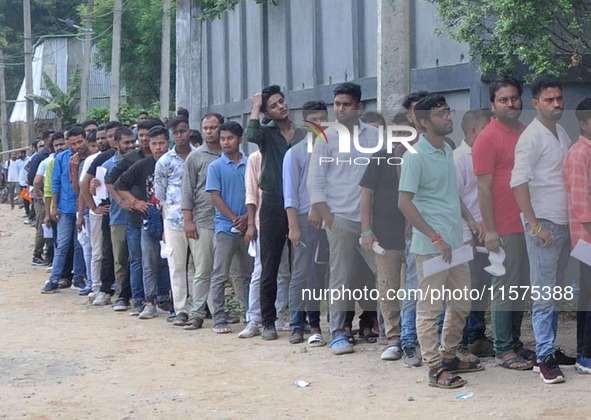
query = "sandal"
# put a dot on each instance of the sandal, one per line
(368, 335)
(526, 354)
(193, 324)
(316, 340)
(451, 382)
(341, 345)
(222, 329)
(513, 363)
(456, 365)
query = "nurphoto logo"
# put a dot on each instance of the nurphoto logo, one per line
(392, 136)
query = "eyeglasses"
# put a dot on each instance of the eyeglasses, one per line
(444, 115)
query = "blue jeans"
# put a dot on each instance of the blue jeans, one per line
(475, 326)
(547, 267)
(134, 246)
(408, 336)
(66, 233)
(305, 274)
(155, 270)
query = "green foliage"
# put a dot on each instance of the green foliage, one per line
(547, 36)
(141, 39)
(127, 114)
(214, 9)
(62, 104)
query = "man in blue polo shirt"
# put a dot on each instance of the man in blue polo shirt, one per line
(225, 183)
(65, 212)
(429, 199)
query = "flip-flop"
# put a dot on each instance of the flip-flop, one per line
(512, 363)
(222, 329)
(316, 340)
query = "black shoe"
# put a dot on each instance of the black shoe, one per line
(79, 284)
(232, 319)
(563, 360)
(65, 283)
(180, 320)
(50, 288)
(550, 371)
(269, 333)
(39, 262)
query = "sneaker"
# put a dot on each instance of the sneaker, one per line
(269, 333)
(120, 305)
(38, 262)
(283, 323)
(48, 269)
(50, 288)
(563, 359)
(79, 284)
(101, 299)
(296, 336)
(411, 357)
(550, 371)
(149, 311)
(392, 352)
(136, 308)
(180, 320)
(583, 365)
(483, 347)
(252, 329)
(85, 292)
(65, 283)
(164, 307)
(465, 355)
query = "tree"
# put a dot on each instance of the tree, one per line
(213, 9)
(62, 104)
(547, 36)
(45, 15)
(141, 35)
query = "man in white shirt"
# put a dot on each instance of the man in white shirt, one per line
(472, 124)
(13, 169)
(541, 195)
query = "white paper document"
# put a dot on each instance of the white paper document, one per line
(47, 231)
(458, 256)
(101, 191)
(582, 252)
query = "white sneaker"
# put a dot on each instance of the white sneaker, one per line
(149, 311)
(252, 329)
(101, 299)
(392, 352)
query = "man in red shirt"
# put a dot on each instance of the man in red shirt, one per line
(493, 155)
(577, 177)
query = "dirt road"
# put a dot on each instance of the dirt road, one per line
(60, 358)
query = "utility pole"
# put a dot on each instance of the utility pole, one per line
(393, 69)
(3, 115)
(165, 61)
(86, 61)
(30, 131)
(115, 61)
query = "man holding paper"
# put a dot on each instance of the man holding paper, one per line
(428, 197)
(577, 177)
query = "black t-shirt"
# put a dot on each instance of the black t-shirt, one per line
(387, 219)
(139, 181)
(123, 165)
(99, 160)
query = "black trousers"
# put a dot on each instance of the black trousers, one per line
(584, 312)
(272, 236)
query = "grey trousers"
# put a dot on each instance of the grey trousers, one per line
(226, 248)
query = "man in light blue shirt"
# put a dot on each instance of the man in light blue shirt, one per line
(304, 230)
(225, 183)
(429, 199)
